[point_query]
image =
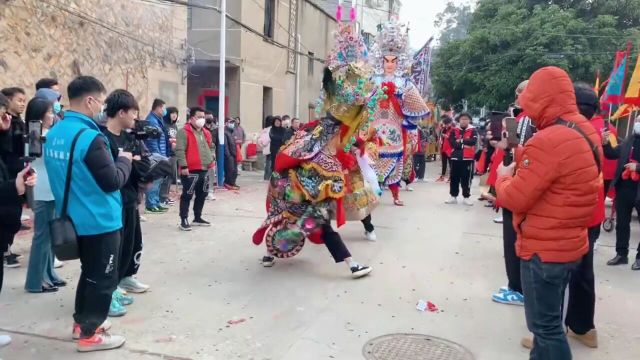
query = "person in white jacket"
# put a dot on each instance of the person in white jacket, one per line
(265, 141)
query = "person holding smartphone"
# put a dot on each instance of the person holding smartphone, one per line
(41, 276)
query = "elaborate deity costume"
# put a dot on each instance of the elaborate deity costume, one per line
(362, 190)
(308, 185)
(397, 116)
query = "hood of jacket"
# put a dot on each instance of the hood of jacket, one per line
(549, 96)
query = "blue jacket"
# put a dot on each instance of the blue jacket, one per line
(92, 210)
(159, 145)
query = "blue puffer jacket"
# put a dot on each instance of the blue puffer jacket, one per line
(159, 145)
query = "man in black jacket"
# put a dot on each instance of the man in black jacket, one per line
(12, 148)
(626, 183)
(122, 110)
(230, 154)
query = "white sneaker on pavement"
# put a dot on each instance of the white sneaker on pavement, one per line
(100, 341)
(468, 202)
(133, 285)
(498, 220)
(5, 340)
(371, 236)
(57, 264)
(452, 201)
(211, 197)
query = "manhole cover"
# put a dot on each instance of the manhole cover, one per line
(414, 347)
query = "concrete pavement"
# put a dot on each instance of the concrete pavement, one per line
(308, 308)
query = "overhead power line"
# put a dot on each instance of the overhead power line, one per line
(243, 26)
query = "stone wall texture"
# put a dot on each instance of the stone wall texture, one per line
(133, 44)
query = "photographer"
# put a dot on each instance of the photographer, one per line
(94, 206)
(122, 110)
(552, 195)
(157, 146)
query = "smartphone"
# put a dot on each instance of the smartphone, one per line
(35, 138)
(511, 131)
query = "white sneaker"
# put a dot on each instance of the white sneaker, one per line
(143, 219)
(57, 264)
(498, 220)
(409, 188)
(133, 285)
(452, 201)
(468, 202)
(211, 197)
(371, 236)
(100, 341)
(5, 340)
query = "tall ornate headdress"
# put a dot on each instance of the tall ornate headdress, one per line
(347, 93)
(392, 40)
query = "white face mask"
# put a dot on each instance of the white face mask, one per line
(200, 122)
(636, 128)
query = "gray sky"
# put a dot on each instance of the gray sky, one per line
(420, 14)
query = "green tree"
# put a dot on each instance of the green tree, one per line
(453, 22)
(507, 40)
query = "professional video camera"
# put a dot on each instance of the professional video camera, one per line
(143, 130)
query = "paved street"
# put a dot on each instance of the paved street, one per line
(308, 308)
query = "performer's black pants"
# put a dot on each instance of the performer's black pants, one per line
(368, 225)
(334, 244)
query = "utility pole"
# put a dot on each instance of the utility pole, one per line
(221, 95)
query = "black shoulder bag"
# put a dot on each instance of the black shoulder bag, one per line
(594, 148)
(63, 232)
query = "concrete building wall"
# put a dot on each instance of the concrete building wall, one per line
(135, 45)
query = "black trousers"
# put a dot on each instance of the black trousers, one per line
(511, 260)
(98, 279)
(368, 225)
(445, 163)
(195, 183)
(230, 170)
(582, 292)
(461, 176)
(6, 235)
(131, 245)
(419, 165)
(334, 244)
(267, 167)
(625, 204)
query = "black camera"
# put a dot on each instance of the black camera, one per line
(143, 130)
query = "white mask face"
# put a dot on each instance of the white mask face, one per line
(200, 122)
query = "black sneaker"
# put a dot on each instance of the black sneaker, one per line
(11, 261)
(200, 222)
(268, 261)
(184, 225)
(360, 271)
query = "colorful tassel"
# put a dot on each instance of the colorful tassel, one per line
(352, 14)
(339, 13)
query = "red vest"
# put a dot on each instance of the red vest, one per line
(468, 152)
(194, 162)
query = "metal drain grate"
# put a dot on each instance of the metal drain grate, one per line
(414, 347)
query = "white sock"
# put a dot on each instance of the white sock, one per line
(351, 263)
